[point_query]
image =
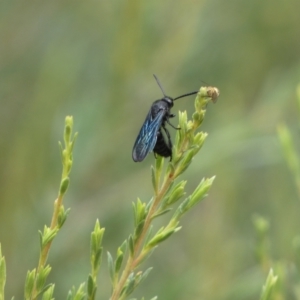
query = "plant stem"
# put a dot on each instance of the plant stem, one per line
(58, 206)
(134, 260)
(45, 251)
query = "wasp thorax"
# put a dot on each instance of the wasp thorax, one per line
(169, 100)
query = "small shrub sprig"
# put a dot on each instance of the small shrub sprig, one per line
(166, 193)
(264, 259)
(268, 287)
(286, 283)
(36, 279)
(95, 260)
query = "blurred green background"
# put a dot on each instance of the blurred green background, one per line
(94, 60)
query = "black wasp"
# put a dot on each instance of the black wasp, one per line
(151, 137)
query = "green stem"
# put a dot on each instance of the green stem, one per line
(45, 251)
(67, 163)
(134, 260)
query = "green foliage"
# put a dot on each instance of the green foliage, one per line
(78, 294)
(29, 283)
(96, 248)
(169, 195)
(95, 60)
(268, 287)
(142, 242)
(36, 279)
(49, 293)
(95, 259)
(47, 236)
(262, 249)
(124, 268)
(290, 153)
(166, 193)
(286, 284)
(2, 275)
(62, 216)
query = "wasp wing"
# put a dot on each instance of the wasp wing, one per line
(147, 136)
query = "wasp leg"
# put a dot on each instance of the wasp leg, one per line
(177, 128)
(167, 120)
(169, 138)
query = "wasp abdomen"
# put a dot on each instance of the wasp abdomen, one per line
(161, 147)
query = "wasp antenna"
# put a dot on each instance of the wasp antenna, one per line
(159, 84)
(185, 95)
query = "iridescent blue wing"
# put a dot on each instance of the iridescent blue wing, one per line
(147, 136)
